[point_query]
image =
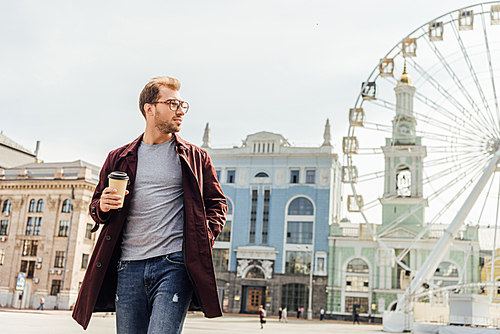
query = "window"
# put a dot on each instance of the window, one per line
(446, 274)
(33, 226)
(225, 234)
(217, 172)
(56, 287)
(231, 176)
(358, 266)
(30, 247)
(59, 262)
(63, 228)
(32, 206)
(38, 225)
(7, 206)
(301, 206)
(360, 303)
(298, 262)
(294, 176)
(66, 206)
(255, 272)
(265, 215)
(85, 261)
(28, 267)
(221, 259)
(229, 208)
(4, 227)
(357, 284)
(39, 206)
(88, 232)
(299, 232)
(2, 256)
(253, 216)
(293, 296)
(310, 176)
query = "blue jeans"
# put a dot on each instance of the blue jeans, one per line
(152, 295)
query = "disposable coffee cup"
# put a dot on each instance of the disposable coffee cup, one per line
(119, 181)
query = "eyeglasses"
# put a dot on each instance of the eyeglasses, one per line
(175, 104)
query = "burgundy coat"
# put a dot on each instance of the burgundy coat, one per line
(205, 211)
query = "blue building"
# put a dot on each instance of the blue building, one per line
(282, 200)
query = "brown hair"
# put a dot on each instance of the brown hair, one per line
(151, 91)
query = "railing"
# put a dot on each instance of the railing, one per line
(350, 232)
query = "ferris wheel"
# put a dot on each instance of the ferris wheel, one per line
(424, 134)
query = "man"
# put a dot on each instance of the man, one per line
(262, 316)
(153, 257)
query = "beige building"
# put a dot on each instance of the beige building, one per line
(45, 239)
(12, 154)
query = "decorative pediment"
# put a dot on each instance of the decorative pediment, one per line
(401, 233)
(256, 252)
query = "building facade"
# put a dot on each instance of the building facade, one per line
(45, 239)
(282, 200)
(12, 154)
(362, 275)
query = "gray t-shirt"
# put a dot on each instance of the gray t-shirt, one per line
(155, 219)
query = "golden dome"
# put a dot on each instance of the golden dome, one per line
(405, 78)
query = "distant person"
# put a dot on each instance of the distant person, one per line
(262, 316)
(298, 313)
(321, 314)
(302, 312)
(280, 313)
(355, 315)
(42, 302)
(153, 256)
(285, 311)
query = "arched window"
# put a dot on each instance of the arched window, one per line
(32, 206)
(301, 206)
(7, 206)
(229, 207)
(39, 206)
(66, 206)
(446, 274)
(403, 181)
(255, 272)
(358, 266)
(261, 174)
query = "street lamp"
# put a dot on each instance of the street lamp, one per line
(69, 236)
(309, 307)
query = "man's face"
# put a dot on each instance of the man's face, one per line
(166, 120)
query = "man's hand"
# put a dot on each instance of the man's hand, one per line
(110, 200)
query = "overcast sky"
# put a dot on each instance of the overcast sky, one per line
(71, 72)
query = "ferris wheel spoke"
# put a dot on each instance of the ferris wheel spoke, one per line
(455, 180)
(458, 83)
(474, 75)
(457, 129)
(465, 164)
(370, 176)
(490, 64)
(479, 122)
(451, 159)
(460, 122)
(446, 149)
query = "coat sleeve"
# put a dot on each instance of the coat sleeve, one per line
(97, 215)
(214, 200)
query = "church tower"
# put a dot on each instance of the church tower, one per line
(403, 203)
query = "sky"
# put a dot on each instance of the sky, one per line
(71, 72)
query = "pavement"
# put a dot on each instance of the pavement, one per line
(60, 322)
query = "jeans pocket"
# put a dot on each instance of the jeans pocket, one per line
(121, 265)
(175, 258)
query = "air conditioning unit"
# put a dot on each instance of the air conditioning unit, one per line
(59, 271)
(38, 266)
(6, 213)
(36, 280)
(39, 259)
(52, 271)
(3, 239)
